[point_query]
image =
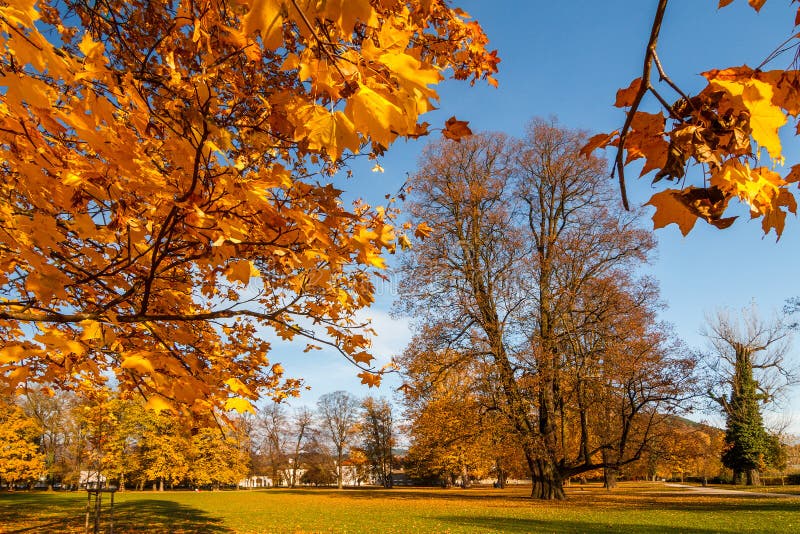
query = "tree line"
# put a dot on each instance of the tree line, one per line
(62, 440)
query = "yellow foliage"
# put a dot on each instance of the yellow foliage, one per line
(146, 202)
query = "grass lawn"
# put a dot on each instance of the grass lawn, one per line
(632, 508)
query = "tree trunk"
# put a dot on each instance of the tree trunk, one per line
(160, 484)
(339, 470)
(465, 483)
(501, 475)
(610, 475)
(547, 482)
(753, 477)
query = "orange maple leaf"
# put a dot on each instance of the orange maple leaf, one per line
(455, 129)
(625, 97)
(670, 210)
(370, 379)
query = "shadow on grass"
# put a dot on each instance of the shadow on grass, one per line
(157, 515)
(34, 512)
(37, 512)
(514, 525)
(722, 503)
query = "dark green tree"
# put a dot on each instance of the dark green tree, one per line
(747, 441)
(748, 371)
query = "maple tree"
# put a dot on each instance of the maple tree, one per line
(167, 188)
(730, 128)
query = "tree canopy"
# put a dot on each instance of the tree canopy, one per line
(166, 194)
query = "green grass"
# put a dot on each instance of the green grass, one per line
(632, 508)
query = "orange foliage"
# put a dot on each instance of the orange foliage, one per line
(730, 127)
(165, 192)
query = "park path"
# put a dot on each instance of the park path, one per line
(720, 491)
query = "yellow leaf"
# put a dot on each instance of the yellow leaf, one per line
(89, 47)
(239, 404)
(240, 271)
(765, 117)
(372, 112)
(157, 403)
(332, 132)
(370, 379)
(410, 69)
(757, 187)
(12, 354)
(139, 363)
(266, 16)
(238, 387)
(92, 330)
(405, 243)
(363, 357)
(422, 230)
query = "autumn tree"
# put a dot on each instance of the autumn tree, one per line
(273, 423)
(451, 408)
(683, 447)
(320, 467)
(338, 414)
(51, 411)
(626, 374)
(730, 128)
(301, 429)
(20, 458)
(523, 232)
(167, 183)
(378, 438)
(215, 459)
(165, 449)
(748, 368)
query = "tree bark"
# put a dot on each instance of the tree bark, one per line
(753, 477)
(547, 482)
(610, 476)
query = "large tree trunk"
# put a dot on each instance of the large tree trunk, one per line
(465, 481)
(610, 475)
(501, 475)
(753, 477)
(547, 482)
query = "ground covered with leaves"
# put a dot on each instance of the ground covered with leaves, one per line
(632, 508)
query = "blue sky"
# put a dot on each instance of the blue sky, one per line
(567, 59)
